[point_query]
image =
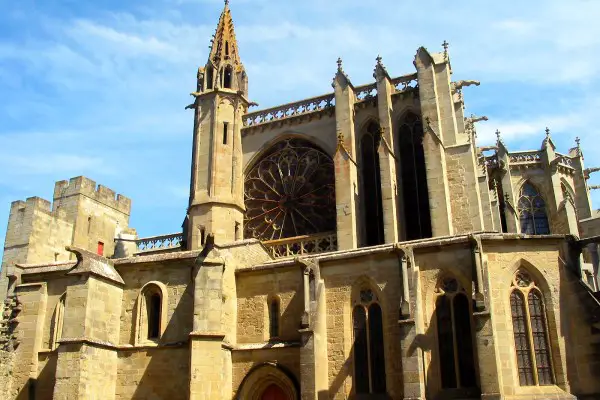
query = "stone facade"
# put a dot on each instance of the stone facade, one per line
(415, 292)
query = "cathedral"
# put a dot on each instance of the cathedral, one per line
(354, 245)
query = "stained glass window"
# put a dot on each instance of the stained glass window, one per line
(455, 341)
(290, 192)
(530, 330)
(532, 211)
(369, 354)
(371, 183)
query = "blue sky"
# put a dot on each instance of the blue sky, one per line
(98, 88)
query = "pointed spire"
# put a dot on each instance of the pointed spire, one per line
(224, 44)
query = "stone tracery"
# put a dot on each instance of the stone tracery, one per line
(290, 192)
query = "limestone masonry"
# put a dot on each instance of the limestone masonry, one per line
(354, 245)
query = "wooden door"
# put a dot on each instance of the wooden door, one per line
(274, 392)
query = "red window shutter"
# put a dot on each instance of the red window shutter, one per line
(100, 248)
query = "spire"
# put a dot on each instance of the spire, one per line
(224, 44)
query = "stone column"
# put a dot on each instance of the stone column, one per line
(346, 178)
(582, 194)
(87, 354)
(510, 198)
(413, 370)
(433, 144)
(210, 360)
(387, 158)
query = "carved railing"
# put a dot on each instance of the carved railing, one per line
(491, 161)
(529, 156)
(366, 92)
(405, 82)
(300, 245)
(564, 160)
(159, 243)
(289, 110)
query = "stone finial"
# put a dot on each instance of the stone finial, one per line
(339, 64)
(226, 2)
(445, 46)
(379, 59)
(498, 135)
(547, 132)
(578, 142)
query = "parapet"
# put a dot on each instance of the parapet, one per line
(32, 203)
(81, 185)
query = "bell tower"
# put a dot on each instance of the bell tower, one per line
(216, 204)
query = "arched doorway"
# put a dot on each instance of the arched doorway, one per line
(274, 392)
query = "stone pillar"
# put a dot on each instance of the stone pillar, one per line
(33, 298)
(313, 354)
(125, 243)
(346, 178)
(413, 369)
(210, 361)
(488, 358)
(582, 194)
(387, 158)
(433, 144)
(510, 198)
(87, 354)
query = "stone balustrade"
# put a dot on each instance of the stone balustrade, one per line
(529, 156)
(564, 160)
(159, 243)
(366, 92)
(405, 82)
(301, 245)
(289, 110)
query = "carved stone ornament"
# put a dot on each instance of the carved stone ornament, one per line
(522, 278)
(367, 296)
(449, 285)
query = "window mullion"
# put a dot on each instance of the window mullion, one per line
(530, 338)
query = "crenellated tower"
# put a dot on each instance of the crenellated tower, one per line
(216, 204)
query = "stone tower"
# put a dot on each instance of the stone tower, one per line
(216, 204)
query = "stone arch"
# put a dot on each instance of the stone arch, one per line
(289, 190)
(534, 216)
(265, 147)
(141, 317)
(261, 376)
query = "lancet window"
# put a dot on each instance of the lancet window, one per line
(371, 182)
(274, 311)
(369, 358)
(290, 191)
(530, 329)
(151, 316)
(532, 211)
(413, 175)
(455, 343)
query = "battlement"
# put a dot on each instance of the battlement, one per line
(81, 185)
(31, 203)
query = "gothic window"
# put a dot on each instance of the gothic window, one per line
(371, 182)
(290, 191)
(530, 330)
(227, 76)
(274, 318)
(369, 358)
(151, 317)
(532, 211)
(57, 322)
(455, 342)
(413, 177)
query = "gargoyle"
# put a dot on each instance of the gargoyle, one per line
(461, 84)
(474, 119)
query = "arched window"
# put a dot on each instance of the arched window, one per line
(290, 191)
(455, 342)
(530, 329)
(57, 322)
(371, 183)
(228, 77)
(151, 315)
(210, 76)
(369, 359)
(413, 175)
(532, 211)
(274, 318)
(226, 49)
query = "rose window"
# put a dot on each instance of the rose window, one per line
(290, 192)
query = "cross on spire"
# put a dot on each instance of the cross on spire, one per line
(498, 134)
(547, 132)
(379, 59)
(578, 141)
(339, 63)
(445, 46)
(226, 2)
